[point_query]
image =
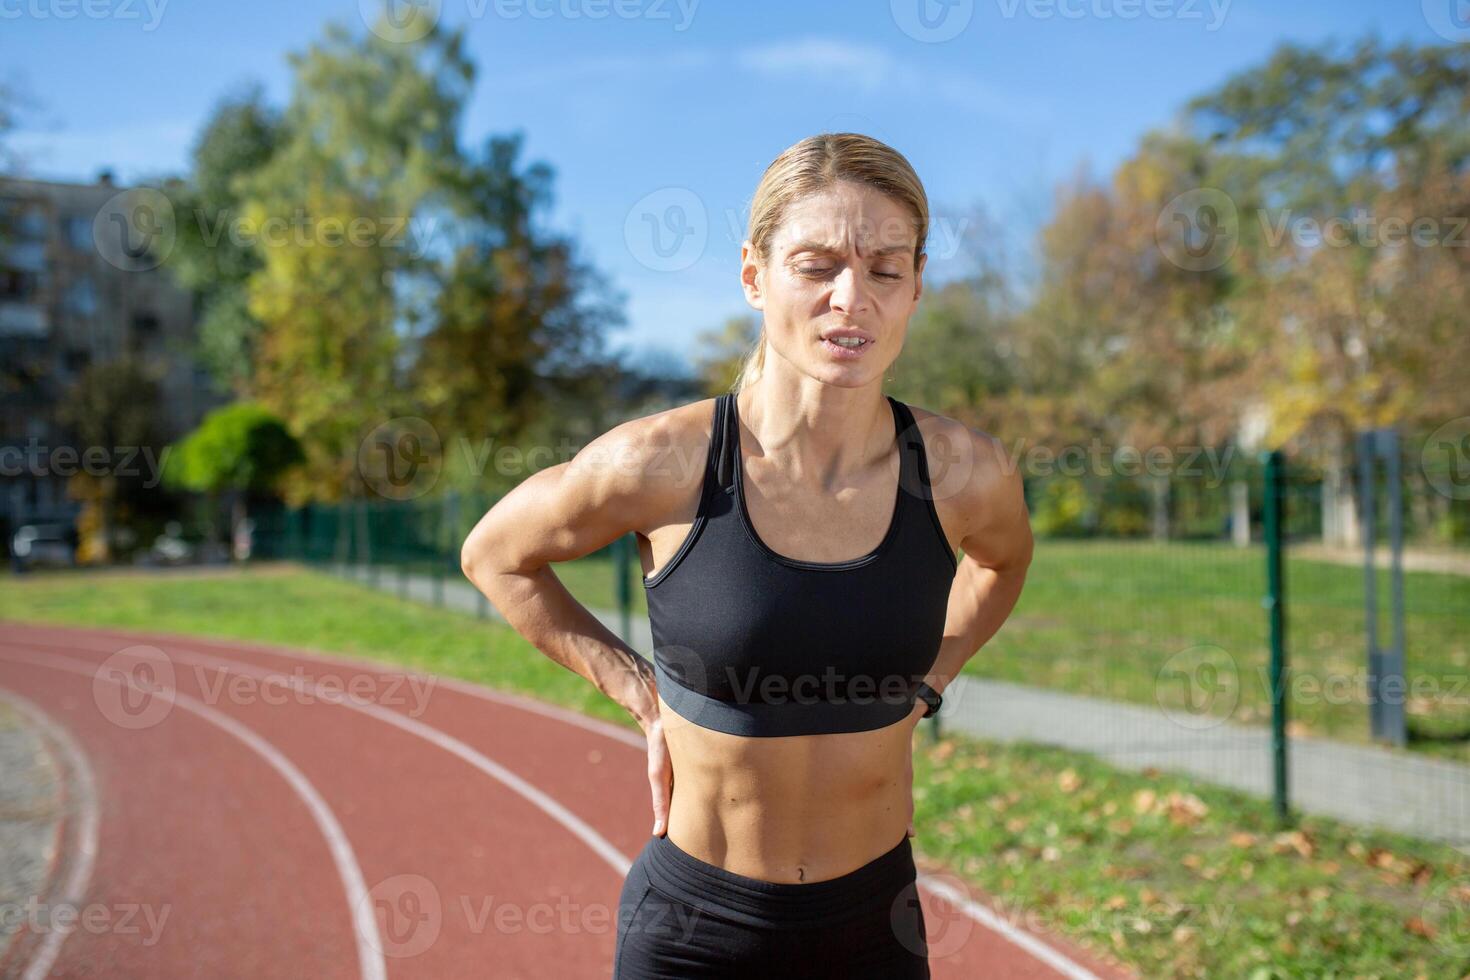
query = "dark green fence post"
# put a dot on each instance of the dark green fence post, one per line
(1275, 603)
(293, 534)
(374, 561)
(482, 604)
(621, 555)
(436, 569)
(450, 564)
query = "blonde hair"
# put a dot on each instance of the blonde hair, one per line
(811, 166)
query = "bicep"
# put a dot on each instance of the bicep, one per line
(998, 535)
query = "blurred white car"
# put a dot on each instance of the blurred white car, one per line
(43, 544)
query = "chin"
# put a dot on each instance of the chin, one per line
(840, 377)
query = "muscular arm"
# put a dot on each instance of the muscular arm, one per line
(997, 546)
(613, 486)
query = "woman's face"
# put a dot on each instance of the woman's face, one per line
(841, 263)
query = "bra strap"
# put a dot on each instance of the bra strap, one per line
(910, 444)
(724, 441)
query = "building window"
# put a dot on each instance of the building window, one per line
(16, 285)
(77, 230)
(30, 225)
(80, 298)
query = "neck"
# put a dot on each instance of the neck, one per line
(823, 433)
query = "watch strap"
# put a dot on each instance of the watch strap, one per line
(930, 697)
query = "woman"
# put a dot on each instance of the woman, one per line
(806, 612)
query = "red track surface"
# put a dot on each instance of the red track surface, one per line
(489, 834)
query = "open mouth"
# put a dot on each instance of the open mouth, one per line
(846, 345)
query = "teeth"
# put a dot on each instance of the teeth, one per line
(848, 341)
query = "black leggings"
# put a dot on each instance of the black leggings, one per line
(681, 918)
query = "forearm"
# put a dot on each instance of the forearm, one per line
(539, 607)
(980, 601)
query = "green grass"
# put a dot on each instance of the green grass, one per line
(1181, 879)
(1174, 877)
(291, 606)
(1106, 619)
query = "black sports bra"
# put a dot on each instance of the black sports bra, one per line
(751, 642)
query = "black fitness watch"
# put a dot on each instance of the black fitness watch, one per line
(931, 697)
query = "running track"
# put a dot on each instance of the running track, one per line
(272, 812)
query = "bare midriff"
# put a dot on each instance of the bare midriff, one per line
(795, 809)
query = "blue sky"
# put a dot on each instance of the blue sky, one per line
(669, 110)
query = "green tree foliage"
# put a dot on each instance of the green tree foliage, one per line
(111, 409)
(1327, 336)
(723, 351)
(358, 265)
(368, 146)
(209, 255)
(1367, 137)
(517, 313)
(241, 447)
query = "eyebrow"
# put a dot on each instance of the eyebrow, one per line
(810, 246)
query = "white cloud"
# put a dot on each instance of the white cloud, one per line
(598, 69)
(132, 151)
(873, 69)
(867, 66)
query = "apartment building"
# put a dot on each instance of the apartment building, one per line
(78, 287)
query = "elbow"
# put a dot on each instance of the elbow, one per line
(469, 557)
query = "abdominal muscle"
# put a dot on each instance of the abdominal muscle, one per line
(799, 808)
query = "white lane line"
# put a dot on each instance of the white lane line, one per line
(979, 913)
(523, 702)
(574, 824)
(987, 917)
(369, 944)
(74, 890)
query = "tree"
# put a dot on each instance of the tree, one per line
(208, 255)
(112, 407)
(1347, 142)
(517, 313)
(722, 351)
(240, 448)
(368, 146)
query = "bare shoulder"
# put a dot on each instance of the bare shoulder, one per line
(977, 489)
(654, 459)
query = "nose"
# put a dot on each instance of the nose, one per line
(849, 295)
